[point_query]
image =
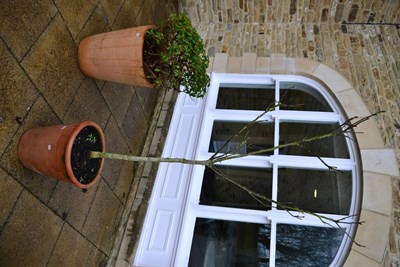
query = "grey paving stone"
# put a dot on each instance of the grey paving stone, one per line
(22, 22)
(17, 94)
(72, 203)
(112, 8)
(135, 125)
(146, 15)
(127, 15)
(88, 104)
(115, 143)
(9, 192)
(75, 13)
(147, 98)
(96, 258)
(123, 184)
(96, 23)
(103, 219)
(118, 97)
(29, 237)
(52, 66)
(72, 249)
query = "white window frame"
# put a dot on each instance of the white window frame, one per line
(193, 210)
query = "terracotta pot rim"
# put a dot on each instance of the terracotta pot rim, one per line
(68, 150)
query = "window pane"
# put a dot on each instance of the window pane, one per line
(218, 191)
(298, 96)
(316, 191)
(246, 97)
(225, 243)
(257, 136)
(306, 245)
(334, 147)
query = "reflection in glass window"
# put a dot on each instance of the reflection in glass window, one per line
(298, 245)
(246, 97)
(258, 136)
(334, 147)
(299, 96)
(217, 191)
(315, 191)
(218, 243)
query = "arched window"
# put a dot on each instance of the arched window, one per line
(227, 225)
(196, 217)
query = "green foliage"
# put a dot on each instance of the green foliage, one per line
(174, 55)
(91, 138)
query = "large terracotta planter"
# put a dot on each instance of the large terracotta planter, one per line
(115, 56)
(47, 150)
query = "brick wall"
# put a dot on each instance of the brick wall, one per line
(368, 55)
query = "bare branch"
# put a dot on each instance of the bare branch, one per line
(217, 157)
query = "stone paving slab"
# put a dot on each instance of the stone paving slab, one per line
(73, 19)
(127, 15)
(135, 125)
(124, 182)
(118, 98)
(88, 104)
(9, 191)
(72, 204)
(111, 8)
(52, 65)
(30, 235)
(103, 218)
(77, 256)
(22, 22)
(96, 23)
(17, 95)
(146, 12)
(147, 98)
(115, 142)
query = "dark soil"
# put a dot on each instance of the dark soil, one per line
(85, 168)
(150, 58)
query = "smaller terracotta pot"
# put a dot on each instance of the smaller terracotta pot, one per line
(47, 150)
(115, 56)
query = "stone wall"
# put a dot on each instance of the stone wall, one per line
(291, 11)
(293, 27)
(326, 31)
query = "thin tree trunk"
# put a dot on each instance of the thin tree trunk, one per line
(96, 154)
